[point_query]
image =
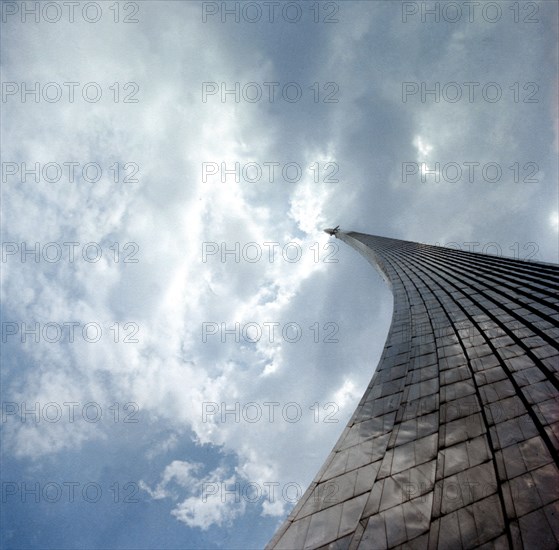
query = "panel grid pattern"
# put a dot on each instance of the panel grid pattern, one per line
(455, 443)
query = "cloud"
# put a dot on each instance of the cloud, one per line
(214, 499)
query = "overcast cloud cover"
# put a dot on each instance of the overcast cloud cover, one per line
(144, 472)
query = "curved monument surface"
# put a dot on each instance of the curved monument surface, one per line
(455, 442)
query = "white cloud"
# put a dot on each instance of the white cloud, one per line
(554, 221)
(213, 499)
(170, 292)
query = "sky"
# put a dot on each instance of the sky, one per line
(182, 344)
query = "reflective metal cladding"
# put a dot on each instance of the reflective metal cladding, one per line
(455, 442)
